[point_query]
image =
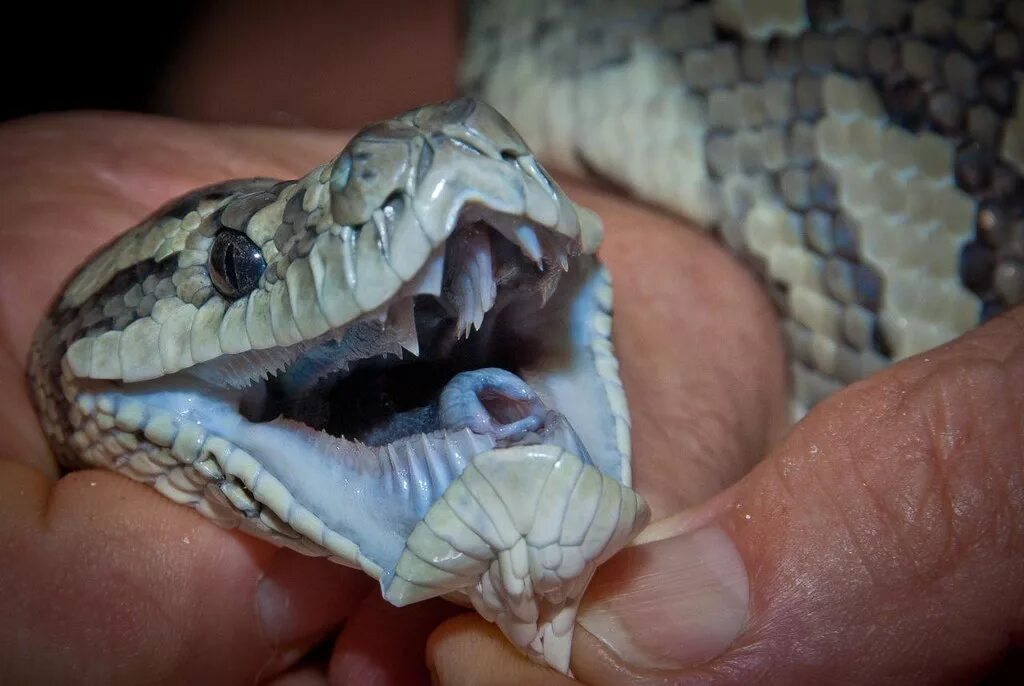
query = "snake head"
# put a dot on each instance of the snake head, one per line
(401, 360)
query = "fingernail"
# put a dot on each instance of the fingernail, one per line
(300, 597)
(670, 604)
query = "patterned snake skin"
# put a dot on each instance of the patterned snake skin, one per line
(865, 157)
(403, 359)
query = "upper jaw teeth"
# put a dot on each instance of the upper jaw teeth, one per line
(464, 275)
(526, 239)
(471, 274)
(469, 285)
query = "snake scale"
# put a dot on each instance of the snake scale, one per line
(865, 157)
(403, 359)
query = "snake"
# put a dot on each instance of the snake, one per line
(403, 361)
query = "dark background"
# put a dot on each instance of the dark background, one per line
(257, 62)
(79, 57)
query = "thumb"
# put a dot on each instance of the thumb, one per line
(880, 538)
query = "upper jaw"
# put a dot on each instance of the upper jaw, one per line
(484, 309)
(344, 240)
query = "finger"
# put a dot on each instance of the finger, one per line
(469, 640)
(880, 538)
(383, 645)
(109, 582)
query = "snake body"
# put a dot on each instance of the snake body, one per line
(865, 158)
(402, 360)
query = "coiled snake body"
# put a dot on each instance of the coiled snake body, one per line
(864, 157)
(402, 360)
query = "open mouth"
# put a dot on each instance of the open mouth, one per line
(401, 360)
(448, 354)
(500, 340)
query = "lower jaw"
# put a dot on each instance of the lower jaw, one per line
(509, 526)
(368, 498)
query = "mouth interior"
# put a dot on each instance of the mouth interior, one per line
(450, 358)
(501, 340)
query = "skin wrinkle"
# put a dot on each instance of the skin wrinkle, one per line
(851, 526)
(932, 395)
(935, 517)
(945, 450)
(908, 399)
(878, 493)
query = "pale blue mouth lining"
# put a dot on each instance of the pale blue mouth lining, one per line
(375, 496)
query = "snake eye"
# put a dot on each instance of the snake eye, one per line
(236, 264)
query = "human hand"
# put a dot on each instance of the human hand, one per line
(880, 541)
(106, 581)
